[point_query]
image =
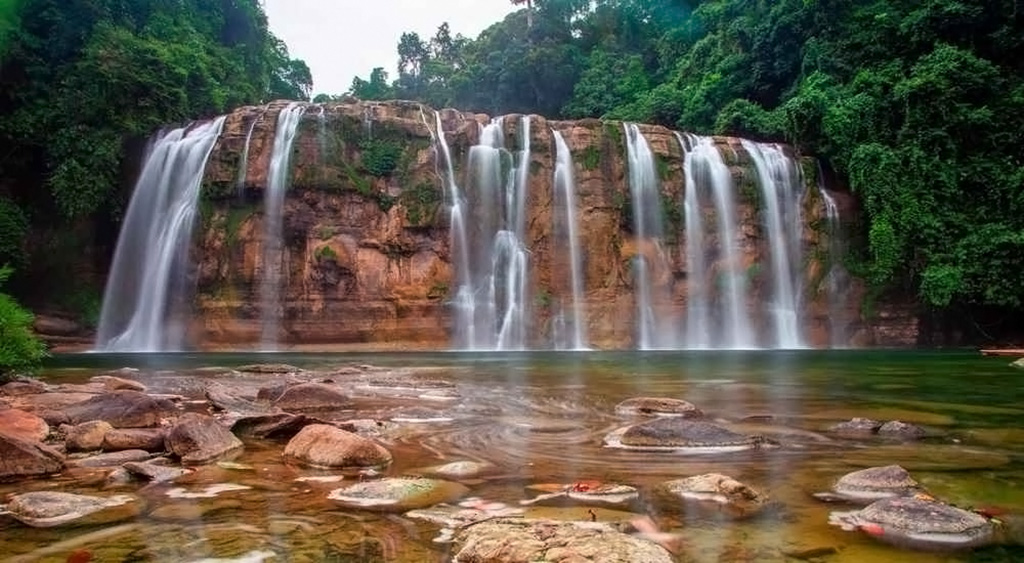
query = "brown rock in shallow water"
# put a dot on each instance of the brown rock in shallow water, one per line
(518, 540)
(658, 406)
(718, 493)
(326, 446)
(86, 436)
(45, 509)
(149, 439)
(280, 425)
(122, 409)
(675, 432)
(21, 458)
(312, 396)
(198, 438)
(21, 424)
(114, 383)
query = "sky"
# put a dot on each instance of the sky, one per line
(341, 39)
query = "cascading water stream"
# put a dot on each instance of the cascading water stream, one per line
(463, 301)
(495, 302)
(151, 260)
(565, 203)
(273, 246)
(654, 330)
(781, 184)
(243, 168)
(698, 301)
(705, 164)
(837, 281)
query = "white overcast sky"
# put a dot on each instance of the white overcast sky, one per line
(340, 39)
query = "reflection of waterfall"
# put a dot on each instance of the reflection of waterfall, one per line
(837, 280)
(781, 191)
(495, 301)
(573, 335)
(273, 245)
(148, 274)
(654, 327)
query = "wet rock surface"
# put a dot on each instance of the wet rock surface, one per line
(21, 458)
(196, 438)
(504, 540)
(20, 424)
(122, 409)
(715, 493)
(873, 483)
(47, 509)
(918, 523)
(657, 406)
(675, 432)
(398, 495)
(321, 445)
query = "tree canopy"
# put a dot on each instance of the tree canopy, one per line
(917, 104)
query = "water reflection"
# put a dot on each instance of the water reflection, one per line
(541, 418)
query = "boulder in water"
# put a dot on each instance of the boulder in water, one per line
(901, 430)
(122, 409)
(46, 509)
(322, 445)
(312, 396)
(398, 494)
(21, 458)
(612, 495)
(921, 523)
(86, 436)
(713, 492)
(200, 439)
(149, 439)
(677, 433)
(518, 539)
(871, 484)
(856, 427)
(657, 406)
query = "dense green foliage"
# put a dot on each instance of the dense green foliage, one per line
(20, 350)
(917, 104)
(82, 77)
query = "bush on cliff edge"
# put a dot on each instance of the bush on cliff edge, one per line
(20, 349)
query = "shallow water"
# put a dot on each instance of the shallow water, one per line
(542, 418)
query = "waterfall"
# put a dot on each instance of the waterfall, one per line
(273, 245)
(781, 191)
(565, 205)
(723, 322)
(464, 302)
(243, 168)
(698, 319)
(653, 325)
(147, 276)
(496, 295)
(837, 280)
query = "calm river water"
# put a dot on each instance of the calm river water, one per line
(542, 417)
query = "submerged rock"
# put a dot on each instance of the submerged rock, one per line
(856, 427)
(398, 494)
(21, 458)
(918, 523)
(871, 484)
(716, 493)
(322, 445)
(680, 433)
(901, 430)
(460, 469)
(199, 438)
(513, 539)
(587, 493)
(660, 406)
(114, 383)
(45, 509)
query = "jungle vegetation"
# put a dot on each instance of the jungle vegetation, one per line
(81, 83)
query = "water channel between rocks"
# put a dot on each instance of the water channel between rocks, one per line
(543, 419)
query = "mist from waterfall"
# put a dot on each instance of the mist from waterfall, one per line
(148, 275)
(273, 257)
(781, 182)
(573, 334)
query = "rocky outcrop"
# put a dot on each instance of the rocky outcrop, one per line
(366, 241)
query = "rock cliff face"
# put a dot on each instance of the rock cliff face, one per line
(366, 240)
